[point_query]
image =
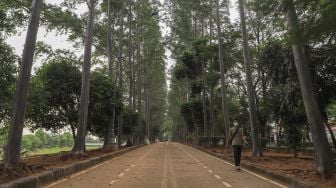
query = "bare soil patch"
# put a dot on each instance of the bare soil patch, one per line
(301, 167)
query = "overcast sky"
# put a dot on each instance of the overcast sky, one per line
(60, 41)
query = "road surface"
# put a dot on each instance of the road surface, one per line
(165, 165)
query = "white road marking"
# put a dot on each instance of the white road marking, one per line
(121, 175)
(218, 177)
(164, 180)
(91, 168)
(261, 177)
(77, 174)
(171, 170)
(133, 165)
(127, 170)
(113, 181)
(210, 171)
(205, 167)
(226, 184)
(55, 183)
(145, 154)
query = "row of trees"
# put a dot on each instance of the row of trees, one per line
(274, 67)
(125, 92)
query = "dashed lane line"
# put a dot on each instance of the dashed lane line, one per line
(91, 168)
(210, 171)
(79, 173)
(113, 181)
(226, 184)
(131, 166)
(252, 173)
(218, 177)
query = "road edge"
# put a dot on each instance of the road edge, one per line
(290, 181)
(45, 177)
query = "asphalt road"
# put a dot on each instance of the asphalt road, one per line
(165, 165)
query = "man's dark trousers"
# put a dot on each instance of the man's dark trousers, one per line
(237, 154)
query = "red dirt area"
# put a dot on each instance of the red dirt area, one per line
(39, 163)
(284, 163)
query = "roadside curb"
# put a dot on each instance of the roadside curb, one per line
(290, 181)
(45, 177)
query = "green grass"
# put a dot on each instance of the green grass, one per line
(56, 150)
(45, 151)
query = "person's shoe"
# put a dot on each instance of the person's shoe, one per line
(238, 168)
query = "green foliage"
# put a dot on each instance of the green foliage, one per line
(130, 120)
(331, 110)
(192, 113)
(8, 70)
(54, 96)
(41, 140)
(324, 75)
(103, 96)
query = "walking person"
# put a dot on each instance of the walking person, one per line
(237, 140)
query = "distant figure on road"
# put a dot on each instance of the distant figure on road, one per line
(236, 139)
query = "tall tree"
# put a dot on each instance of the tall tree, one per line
(12, 156)
(120, 79)
(222, 76)
(79, 146)
(324, 159)
(256, 150)
(110, 130)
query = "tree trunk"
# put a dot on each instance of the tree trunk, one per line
(205, 112)
(12, 156)
(73, 132)
(212, 116)
(256, 151)
(333, 139)
(108, 139)
(120, 129)
(322, 148)
(130, 63)
(120, 85)
(223, 85)
(79, 146)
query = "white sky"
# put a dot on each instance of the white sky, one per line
(60, 41)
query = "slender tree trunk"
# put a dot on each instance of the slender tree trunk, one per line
(134, 88)
(79, 146)
(73, 131)
(12, 156)
(333, 139)
(256, 150)
(130, 62)
(139, 75)
(211, 89)
(225, 107)
(205, 112)
(212, 117)
(108, 139)
(322, 148)
(120, 56)
(120, 129)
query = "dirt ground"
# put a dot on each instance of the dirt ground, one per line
(284, 163)
(39, 163)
